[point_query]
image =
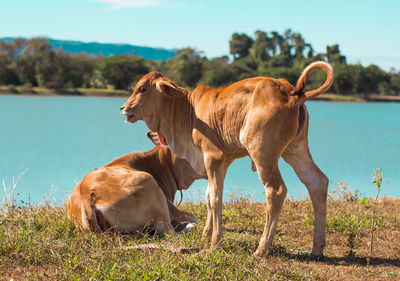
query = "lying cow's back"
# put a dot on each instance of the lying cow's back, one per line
(130, 192)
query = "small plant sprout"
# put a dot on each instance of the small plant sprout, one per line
(343, 192)
(369, 203)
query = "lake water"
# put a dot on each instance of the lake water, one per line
(60, 139)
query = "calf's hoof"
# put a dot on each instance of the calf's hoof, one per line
(215, 242)
(261, 252)
(318, 249)
(206, 232)
(317, 258)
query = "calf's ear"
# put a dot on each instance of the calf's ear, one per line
(169, 88)
(153, 137)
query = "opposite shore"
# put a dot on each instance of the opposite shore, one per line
(101, 92)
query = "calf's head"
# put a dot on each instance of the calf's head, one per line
(149, 99)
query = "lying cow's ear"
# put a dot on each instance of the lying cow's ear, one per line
(153, 137)
(169, 89)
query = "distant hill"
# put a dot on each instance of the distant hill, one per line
(94, 48)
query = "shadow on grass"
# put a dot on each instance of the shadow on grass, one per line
(243, 230)
(346, 260)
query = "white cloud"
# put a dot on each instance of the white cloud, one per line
(118, 4)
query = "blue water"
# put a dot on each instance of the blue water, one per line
(60, 139)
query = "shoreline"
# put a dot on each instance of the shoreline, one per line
(43, 92)
(97, 92)
(356, 98)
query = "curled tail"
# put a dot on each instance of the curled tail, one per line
(89, 217)
(82, 211)
(92, 218)
(301, 82)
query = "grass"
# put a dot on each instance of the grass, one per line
(40, 243)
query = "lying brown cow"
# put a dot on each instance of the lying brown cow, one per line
(132, 191)
(264, 118)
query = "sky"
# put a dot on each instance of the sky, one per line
(367, 31)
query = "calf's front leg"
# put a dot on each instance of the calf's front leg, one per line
(216, 174)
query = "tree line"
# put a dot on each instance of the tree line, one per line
(35, 62)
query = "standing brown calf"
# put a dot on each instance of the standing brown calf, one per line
(132, 191)
(264, 118)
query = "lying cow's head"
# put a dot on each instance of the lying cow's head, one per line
(182, 170)
(148, 98)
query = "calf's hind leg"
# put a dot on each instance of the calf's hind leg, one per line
(298, 156)
(266, 162)
(275, 193)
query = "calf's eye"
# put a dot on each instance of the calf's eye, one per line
(141, 90)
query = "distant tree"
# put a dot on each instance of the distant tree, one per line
(285, 57)
(239, 45)
(260, 47)
(121, 71)
(289, 73)
(187, 66)
(8, 73)
(245, 67)
(159, 65)
(26, 69)
(344, 79)
(277, 41)
(218, 72)
(334, 56)
(76, 70)
(369, 78)
(34, 62)
(394, 84)
(37, 62)
(12, 50)
(288, 35)
(8, 55)
(44, 60)
(299, 45)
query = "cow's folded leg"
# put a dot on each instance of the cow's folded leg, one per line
(164, 227)
(179, 216)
